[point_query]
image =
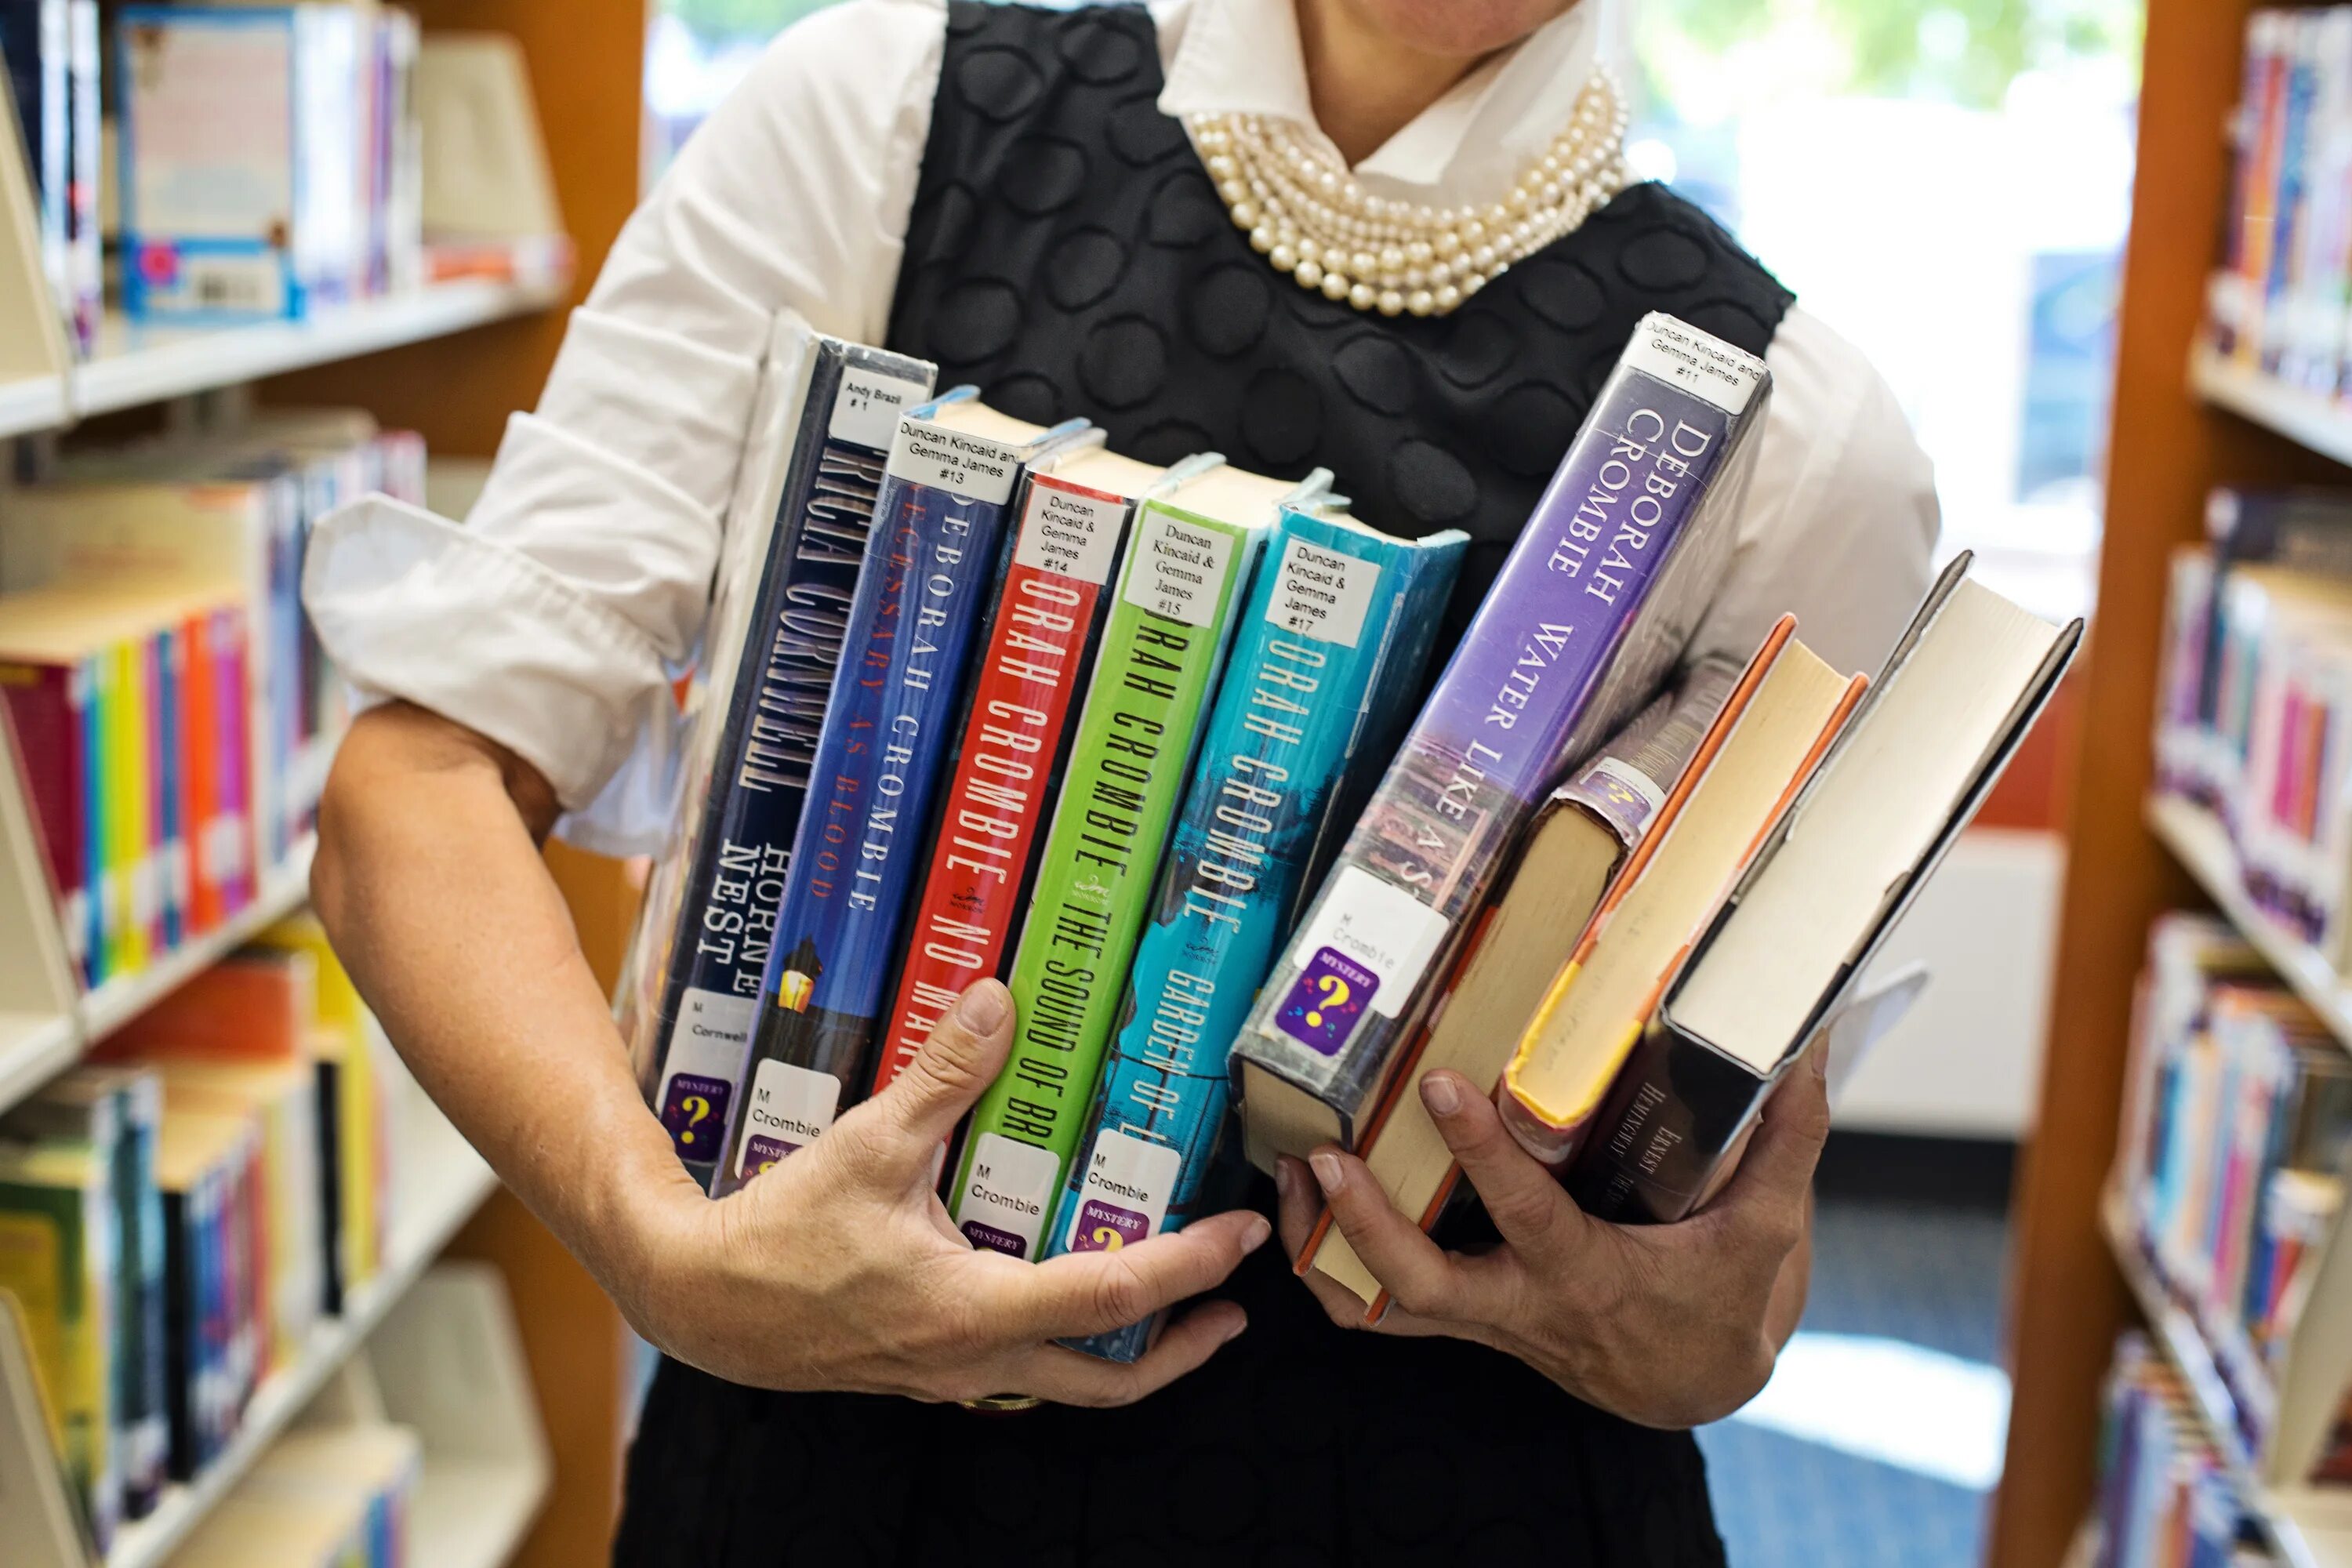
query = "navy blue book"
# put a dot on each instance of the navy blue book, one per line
(890, 723)
(796, 540)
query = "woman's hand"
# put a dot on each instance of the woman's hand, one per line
(1668, 1325)
(838, 1269)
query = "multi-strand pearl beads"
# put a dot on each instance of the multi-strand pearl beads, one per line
(1308, 217)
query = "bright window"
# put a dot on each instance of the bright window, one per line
(1947, 183)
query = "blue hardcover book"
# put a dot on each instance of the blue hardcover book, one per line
(797, 532)
(889, 729)
(1328, 655)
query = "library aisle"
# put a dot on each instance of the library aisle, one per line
(2180, 1296)
(254, 1287)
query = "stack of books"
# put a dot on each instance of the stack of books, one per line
(2278, 302)
(2237, 1117)
(172, 707)
(2164, 1500)
(2256, 668)
(1159, 747)
(176, 1216)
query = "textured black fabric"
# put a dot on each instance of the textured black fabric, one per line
(1068, 253)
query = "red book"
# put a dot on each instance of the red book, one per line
(199, 771)
(48, 704)
(1040, 643)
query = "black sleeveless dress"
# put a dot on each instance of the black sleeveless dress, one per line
(1068, 253)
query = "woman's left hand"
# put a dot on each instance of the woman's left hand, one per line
(1666, 1325)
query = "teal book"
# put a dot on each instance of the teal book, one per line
(1182, 584)
(1325, 666)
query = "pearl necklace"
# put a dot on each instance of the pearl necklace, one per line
(1306, 214)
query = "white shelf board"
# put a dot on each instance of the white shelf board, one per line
(32, 403)
(448, 1182)
(2310, 420)
(135, 365)
(119, 1001)
(472, 1514)
(33, 1050)
(2202, 844)
(2310, 1527)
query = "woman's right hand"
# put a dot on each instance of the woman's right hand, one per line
(838, 1267)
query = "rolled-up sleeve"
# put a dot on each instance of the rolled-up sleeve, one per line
(554, 620)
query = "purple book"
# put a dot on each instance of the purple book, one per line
(1600, 595)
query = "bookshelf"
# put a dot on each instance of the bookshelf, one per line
(444, 1182)
(2183, 423)
(452, 361)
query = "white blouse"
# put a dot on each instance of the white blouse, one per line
(553, 621)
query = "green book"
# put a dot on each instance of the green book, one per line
(1182, 586)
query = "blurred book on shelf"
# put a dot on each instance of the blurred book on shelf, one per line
(489, 203)
(268, 159)
(2228, 1183)
(322, 1496)
(2277, 301)
(174, 712)
(2254, 678)
(2165, 1498)
(185, 1211)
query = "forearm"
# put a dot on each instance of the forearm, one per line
(430, 882)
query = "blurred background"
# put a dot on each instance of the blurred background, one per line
(2075, 1297)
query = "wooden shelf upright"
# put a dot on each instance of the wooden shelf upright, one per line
(2171, 445)
(586, 60)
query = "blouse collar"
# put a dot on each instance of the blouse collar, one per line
(1242, 57)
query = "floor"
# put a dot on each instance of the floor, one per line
(1879, 1439)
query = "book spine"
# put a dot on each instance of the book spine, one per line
(1046, 629)
(199, 776)
(929, 562)
(1624, 786)
(1323, 630)
(1361, 969)
(85, 254)
(1675, 1115)
(724, 928)
(41, 705)
(143, 1257)
(1180, 587)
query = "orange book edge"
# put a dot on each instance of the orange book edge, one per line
(1668, 809)
(1734, 704)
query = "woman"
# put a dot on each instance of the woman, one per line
(1380, 235)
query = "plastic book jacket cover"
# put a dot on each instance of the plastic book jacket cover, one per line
(1595, 601)
(1333, 641)
(1181, 590)
(798, 535)
(930, 562)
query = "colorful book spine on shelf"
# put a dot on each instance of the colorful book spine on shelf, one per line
(1592, 604)
(56, 1254)
(1330, 650)
(2165, 1499)
(35, 48)
(931, 561)
(693, 992)
(1039, 653)
(115, 1114)
(258, 216)
(2238, 1118)
(1167, 638)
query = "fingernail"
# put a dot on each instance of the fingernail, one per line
(1327, 1170)
(1284, 1177)
(982, 1007)
(1821, 1062)
(1236, 1332)
(1253, 1235)
(1437, 1092)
